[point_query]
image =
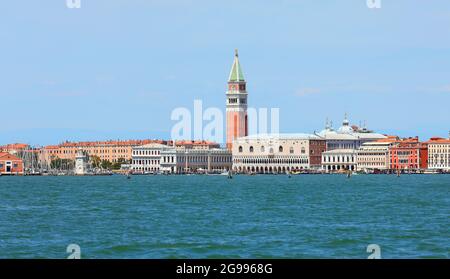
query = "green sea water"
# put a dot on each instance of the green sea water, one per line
(305, 216)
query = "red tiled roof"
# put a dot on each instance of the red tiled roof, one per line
(389, 139)
(4, 156)
(438, 140)
(51, 147)
(194, 142)
(14, 146)
(410, 140)
(108, 143)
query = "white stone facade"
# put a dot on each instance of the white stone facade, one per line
(146, 158)
(159, 158)
(439, 154)
(213, 160)
(339, 160)
(276, 153)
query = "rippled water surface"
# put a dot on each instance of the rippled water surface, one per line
(309, 216)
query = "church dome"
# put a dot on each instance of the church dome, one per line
(345, 128)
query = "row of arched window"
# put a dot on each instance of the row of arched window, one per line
(263, 149)
(271, 161)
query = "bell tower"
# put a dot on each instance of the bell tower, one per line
(237, 123)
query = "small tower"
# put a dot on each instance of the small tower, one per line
(81, 163)
(345, 122)
(237, 122)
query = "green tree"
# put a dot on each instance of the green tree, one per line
(105, 164)
(118, 164)
(96, 161)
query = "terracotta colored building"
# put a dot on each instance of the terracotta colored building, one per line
(14, 148)
(10, 164)
(106, 150)
(408, 154)
(113, 150)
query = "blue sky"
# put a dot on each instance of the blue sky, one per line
(115, 69)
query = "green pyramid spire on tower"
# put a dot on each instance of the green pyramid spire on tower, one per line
(236, 74)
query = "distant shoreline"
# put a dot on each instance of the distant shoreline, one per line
(237, 174)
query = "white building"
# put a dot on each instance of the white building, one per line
(277, 153)
(439, 154)
(181, 158)
(146, 158)
(339, 160)
(342, 145)
(214, 160)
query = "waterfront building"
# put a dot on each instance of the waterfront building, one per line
(236, 106)
(277, 153)
(169, 163)
(439, 154)
(338, 160)
(342, 145)
(110, 151)
(14, 148)
(214, 160)
(374, 156)
(10, 164)
(146, 158)
(180, 157)
(408, 154)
